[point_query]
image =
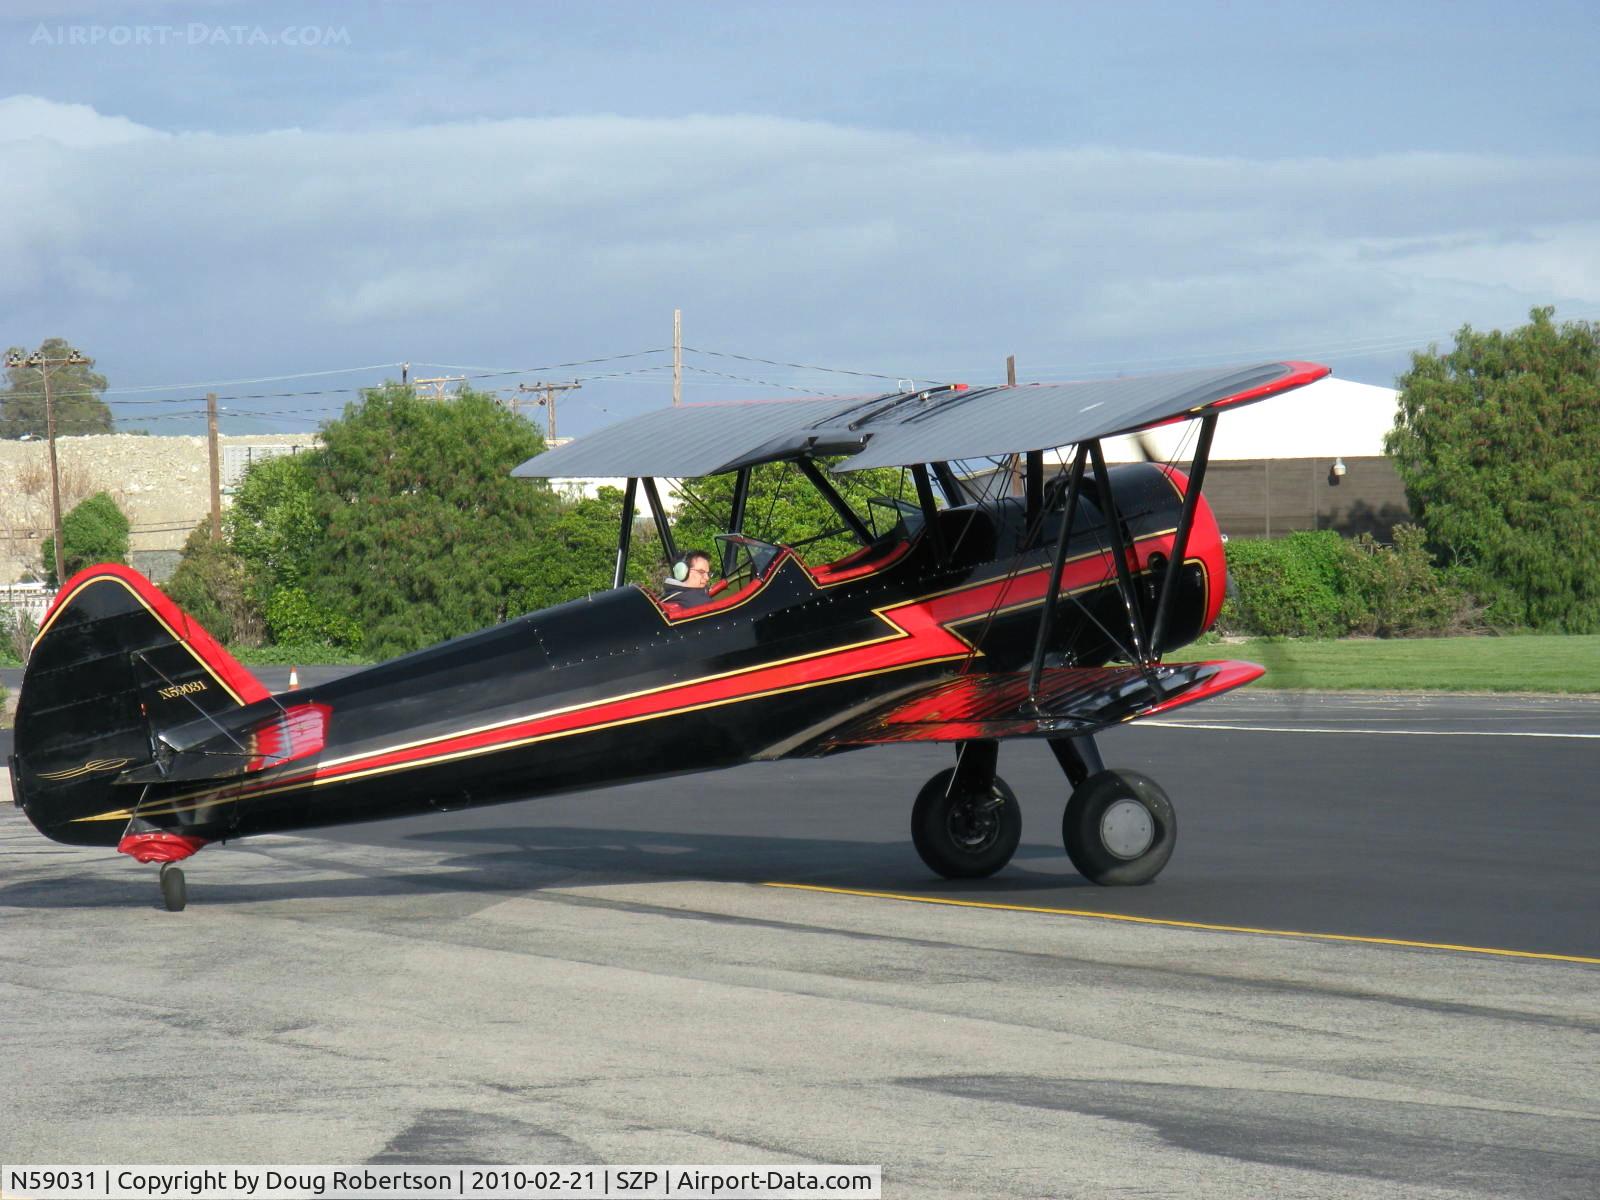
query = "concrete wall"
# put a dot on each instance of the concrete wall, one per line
(162, 484)
(1271, 497)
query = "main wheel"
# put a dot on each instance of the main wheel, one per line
(965, 832)
(173, 891)
(1119, 828)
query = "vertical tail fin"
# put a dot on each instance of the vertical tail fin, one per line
(114, 659)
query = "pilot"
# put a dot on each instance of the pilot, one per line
(687, 586)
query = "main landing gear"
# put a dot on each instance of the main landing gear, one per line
(1119, 827)
(966, 822)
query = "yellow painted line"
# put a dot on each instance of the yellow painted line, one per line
(1101, 916)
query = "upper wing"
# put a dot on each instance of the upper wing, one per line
(898, 429)
(1071, 701)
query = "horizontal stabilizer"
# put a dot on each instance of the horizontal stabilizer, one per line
(251, 739)
(1070, 701)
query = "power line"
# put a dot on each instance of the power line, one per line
(772, 362)
(748, 379)
(485, 373)
(173, 387)
(583, 362)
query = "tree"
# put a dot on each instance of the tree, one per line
(1498, 444)
(214, 586)
(74, 391)
(576, 554)
(419, 513)
(93, 532)
(274, 524)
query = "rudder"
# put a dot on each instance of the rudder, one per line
(114, 659)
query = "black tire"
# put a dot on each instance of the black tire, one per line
(1119, 828)
(965, 834)
(174, 893)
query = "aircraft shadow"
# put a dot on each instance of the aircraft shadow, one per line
(618, 856)
(504, 861)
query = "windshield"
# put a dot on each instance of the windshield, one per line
(753, 556)
(890, 516)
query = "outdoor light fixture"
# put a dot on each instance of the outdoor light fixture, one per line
(1336, 472)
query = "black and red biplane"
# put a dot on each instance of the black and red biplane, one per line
(1041, 610)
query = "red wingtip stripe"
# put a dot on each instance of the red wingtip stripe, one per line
(1230, 674)
(1299, 374)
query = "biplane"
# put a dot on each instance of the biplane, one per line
(1038, 607)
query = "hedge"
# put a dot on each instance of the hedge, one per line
(1322, 585)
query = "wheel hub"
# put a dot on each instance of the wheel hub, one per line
(974, 822)
(1127, 829)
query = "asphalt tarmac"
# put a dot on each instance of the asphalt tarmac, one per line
(607, 977)
(1462, 820)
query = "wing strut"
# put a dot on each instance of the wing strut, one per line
(1119, 552)
(1048, 611)
(835, 501)
(1033, 488)
(663, 526)
(930, 514)
(1180, 541)
(625, 534)
(955, 494)
(741, 497)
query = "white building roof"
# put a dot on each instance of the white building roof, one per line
(1332, 418)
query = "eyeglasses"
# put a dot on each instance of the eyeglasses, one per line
(700, 571)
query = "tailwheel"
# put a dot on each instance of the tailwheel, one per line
(966, 828)
(1119, 828)
(173, 890)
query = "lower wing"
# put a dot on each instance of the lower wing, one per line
(1070, 701)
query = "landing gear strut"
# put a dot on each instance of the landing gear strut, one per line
(966, 822)
(1119, 827)
(174, 892)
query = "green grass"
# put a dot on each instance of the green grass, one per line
(1523, 663)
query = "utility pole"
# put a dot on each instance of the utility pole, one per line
(216, 470)
(437, 384)
(677, 356)
(38, 361)
(547, 400)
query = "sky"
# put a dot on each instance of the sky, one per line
(256, 199)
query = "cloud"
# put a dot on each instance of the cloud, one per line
(541, 239)
(28, 118)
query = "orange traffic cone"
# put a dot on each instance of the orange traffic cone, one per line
(294, 678)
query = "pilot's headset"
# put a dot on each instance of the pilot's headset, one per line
(680, 570)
